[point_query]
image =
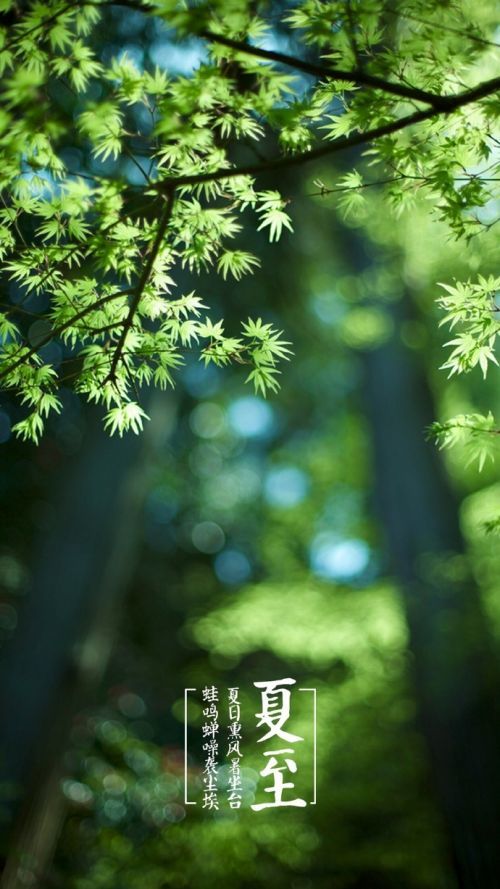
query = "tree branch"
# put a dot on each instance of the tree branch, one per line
(324, 190)
(398, 13)
(449, 104)
(60, 329)
(325, 71)
(357, 76)
(42, 24)
(144, 278)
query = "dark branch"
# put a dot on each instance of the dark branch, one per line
(362, 78)
(143, 280)
(325, 71)
(60, 329)
(449, 104)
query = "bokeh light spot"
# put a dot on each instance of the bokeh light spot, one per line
(250, 417)
(232, 567)
(286, 486)
(207, 420)
(337, 559)
(208, 537)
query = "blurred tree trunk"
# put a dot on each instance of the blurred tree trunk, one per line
(455, 670)
(65, 634)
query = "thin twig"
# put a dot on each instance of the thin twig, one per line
(143, 280)
(458, 31)
(60, 329)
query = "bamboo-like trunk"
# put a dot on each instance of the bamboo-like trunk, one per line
(455, 670)
(65, 634)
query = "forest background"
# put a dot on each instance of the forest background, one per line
(249, 532)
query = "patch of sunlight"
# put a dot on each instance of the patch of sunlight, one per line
(310, 623)
(477, 510)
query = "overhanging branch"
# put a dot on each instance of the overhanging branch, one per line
(93, 307)
(143, 280)
(449, 104)
(361, 78)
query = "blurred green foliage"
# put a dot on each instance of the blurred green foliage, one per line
(262, 556)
